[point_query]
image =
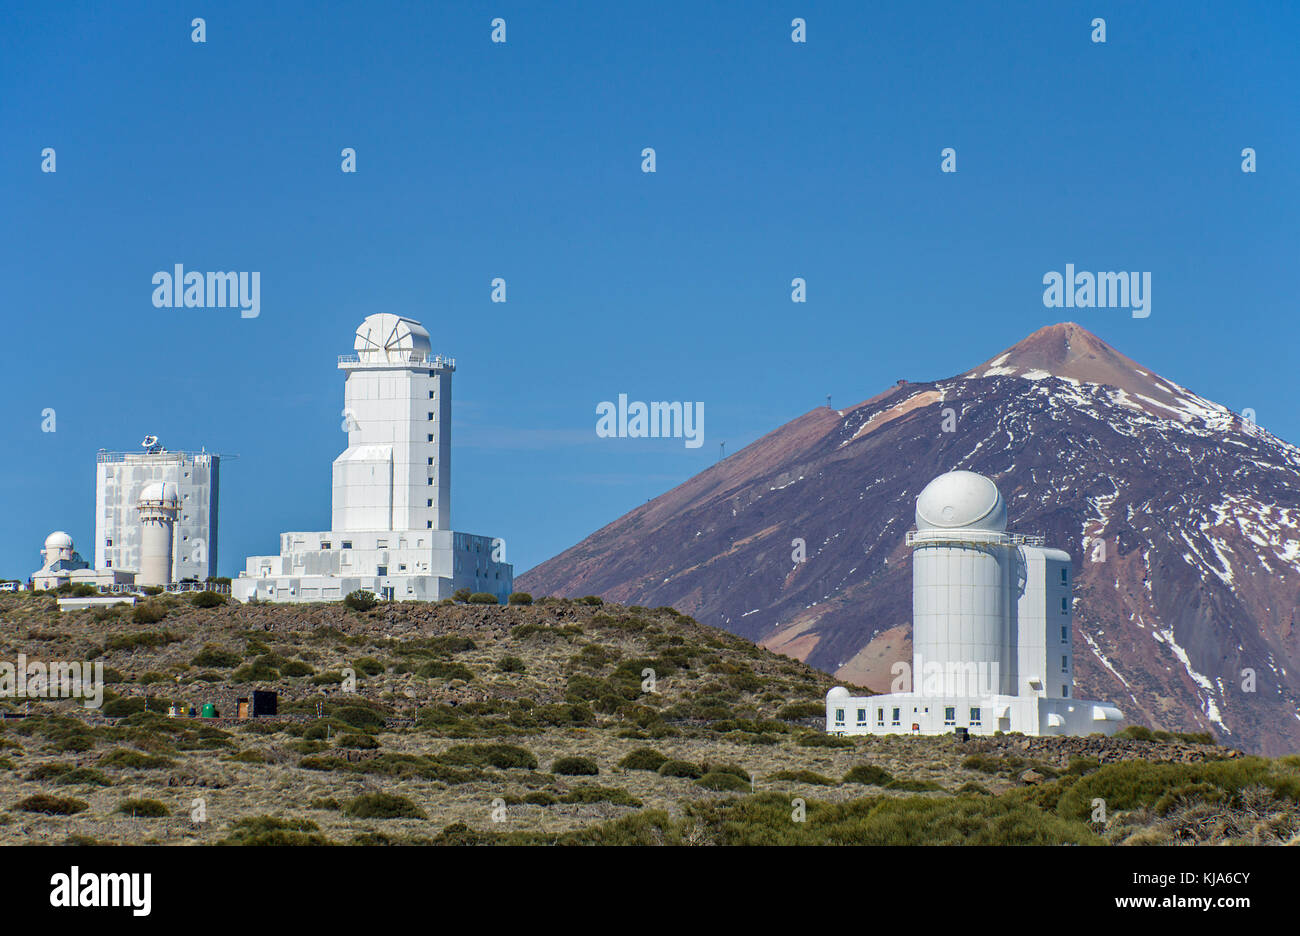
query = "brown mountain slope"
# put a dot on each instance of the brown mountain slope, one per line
(1181, 517)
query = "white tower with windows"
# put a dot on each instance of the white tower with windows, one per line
(158, 506)
(390, 526)
(991, 629)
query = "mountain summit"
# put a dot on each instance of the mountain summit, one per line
(1181, 518)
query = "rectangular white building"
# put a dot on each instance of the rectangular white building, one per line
(119, 479)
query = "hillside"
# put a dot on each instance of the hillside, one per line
(1181, 517)
(474, 724)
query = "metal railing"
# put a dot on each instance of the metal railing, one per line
(400, 357)
(915, 537)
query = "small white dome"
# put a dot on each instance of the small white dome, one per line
(837, 694)
(961, 500)
(58, 540)
(164, 492)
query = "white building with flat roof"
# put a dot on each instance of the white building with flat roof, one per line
(992, 629)
(390, 527)
(121, 477)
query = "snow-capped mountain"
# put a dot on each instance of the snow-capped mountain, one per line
(1183, 520)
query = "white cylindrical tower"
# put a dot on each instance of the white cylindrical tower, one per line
(158, 506)
(964, 588)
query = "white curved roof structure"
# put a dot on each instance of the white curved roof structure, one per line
(385, 337)
(160, 492)
(58, 540)
(961, 500)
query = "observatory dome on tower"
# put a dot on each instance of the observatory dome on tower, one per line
(160, 492)
(385, 337)
(58, 540)
(961, 500)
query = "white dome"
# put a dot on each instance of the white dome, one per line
(961, 500)
(164, 492)
(836, 694)
(389, 337)
(58, 540)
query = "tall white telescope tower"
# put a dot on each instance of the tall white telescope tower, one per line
(158, 505)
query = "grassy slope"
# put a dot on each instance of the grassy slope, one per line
(446, 732)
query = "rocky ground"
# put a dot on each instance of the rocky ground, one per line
(562, 721)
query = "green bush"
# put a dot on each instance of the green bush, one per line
(521, 598)
(51, 805)
(143, 809)
(148, 613)
(802, 776)
(382, 806)
(680, 768)
(643, 759)
(358, 716)
(134, 760)
(797, 710)
(575, 767)
(207, 599)
(511, 664)
(461, 595)
(723, 782)
(483, 598)
(594, 600)
(273, 830)
(368, 666)
(296, 668)
(438, 669)
(909, 785)
(501, 756)
(361, 600)
(869, 775)
(257, 671)
(215, 655)
(359, 742)
(819, 739)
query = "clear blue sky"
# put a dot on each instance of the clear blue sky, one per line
(522, 160)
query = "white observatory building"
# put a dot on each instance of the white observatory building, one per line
(991, 629)
(390, 529)
(158, 505)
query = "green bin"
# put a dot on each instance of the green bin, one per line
(209, 710)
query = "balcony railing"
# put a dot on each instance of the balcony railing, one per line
(402, 358)
(915, 537)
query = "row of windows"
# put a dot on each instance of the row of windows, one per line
(895, 720)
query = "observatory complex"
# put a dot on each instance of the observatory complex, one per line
(390, 532)
(991, 629)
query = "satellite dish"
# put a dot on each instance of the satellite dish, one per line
(150, 443)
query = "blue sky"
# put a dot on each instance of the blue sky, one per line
(522, 160)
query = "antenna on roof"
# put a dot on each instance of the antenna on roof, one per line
(722, 450)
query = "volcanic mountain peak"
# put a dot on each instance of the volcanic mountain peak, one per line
(1069, 352)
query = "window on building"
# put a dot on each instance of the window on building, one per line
(428, 524)
(1065, 633)
(950, 715)
(430, 460)
(382, 570)
(431, 417)
(975, 716)
(862, 716)
(880, 716)
(1065, 605)
(1065, 663)
(325, 544)
(347, 544)
(430, 480)
(1065, 576)
(429, 503)
(895, 719)
(430, 394)
(430, 437)
(1065, 692)
(839, 716)
(381, 544)
(108, 542)
(401, 567)
(108, 563)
